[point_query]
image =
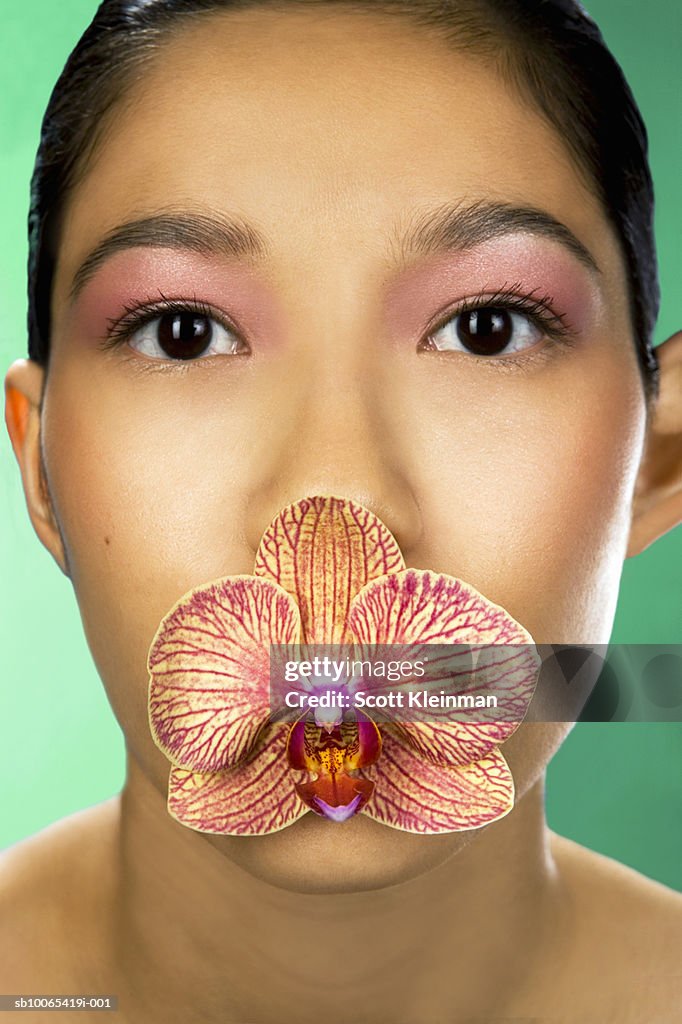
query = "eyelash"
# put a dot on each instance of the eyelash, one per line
(122, 328)
(539, 311)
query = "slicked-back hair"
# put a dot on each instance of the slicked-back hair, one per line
(549, 51)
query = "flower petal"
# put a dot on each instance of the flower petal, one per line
(322, 551)
(210, 670)
(451, 744)
(418, 608)
(253, 799)
(416, 796)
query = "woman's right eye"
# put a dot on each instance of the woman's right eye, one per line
(184, 334)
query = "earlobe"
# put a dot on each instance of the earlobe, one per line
(657, 506)
(23, 389)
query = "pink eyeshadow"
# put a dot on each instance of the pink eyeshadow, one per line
(534, 265)
(144, 275)
(538, 266)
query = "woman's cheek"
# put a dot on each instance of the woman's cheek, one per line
(146, 512)
(525, 489)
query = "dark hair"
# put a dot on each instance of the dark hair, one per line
(550, 50)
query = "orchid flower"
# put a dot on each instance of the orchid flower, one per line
(327, 571)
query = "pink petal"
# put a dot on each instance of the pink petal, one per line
(451, 744)
(322, 551)
(253, 799)
(419, 606)
(210, 669)
(415, 609)
(417, 796)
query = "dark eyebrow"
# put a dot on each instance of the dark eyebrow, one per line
(446, 228)
(206, 235)
(462, 227)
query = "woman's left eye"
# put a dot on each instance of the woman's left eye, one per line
(184, 334)
(487, 331)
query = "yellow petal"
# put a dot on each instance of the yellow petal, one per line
(323, 551)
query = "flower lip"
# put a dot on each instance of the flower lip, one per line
(336, 800)
(327, 571)
(338, 814)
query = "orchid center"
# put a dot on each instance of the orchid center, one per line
(334, 755)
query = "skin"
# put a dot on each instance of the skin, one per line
(171, 473)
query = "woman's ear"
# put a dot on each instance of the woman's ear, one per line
(657, 505)
(23, 390)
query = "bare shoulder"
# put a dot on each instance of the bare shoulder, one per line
(56, 889)
(614, 895)
(622, 937)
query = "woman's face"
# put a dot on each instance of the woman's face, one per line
(337, 362)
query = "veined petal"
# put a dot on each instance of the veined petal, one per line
(255, 798)
(417, 609)
(450, 744)
(322, 551)
(455, 736)
(210, 668)
(420, 606)
(416, 796)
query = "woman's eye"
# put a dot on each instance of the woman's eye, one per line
(184, 334)
(487, 331)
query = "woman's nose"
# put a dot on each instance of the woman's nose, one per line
(336, 440)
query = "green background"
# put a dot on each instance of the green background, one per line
(614, 787)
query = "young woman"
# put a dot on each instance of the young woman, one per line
(397, 252)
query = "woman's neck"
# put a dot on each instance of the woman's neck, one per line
(199, 938)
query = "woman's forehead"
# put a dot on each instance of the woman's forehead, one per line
(327, 130)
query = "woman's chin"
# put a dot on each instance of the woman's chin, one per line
(316, 856)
